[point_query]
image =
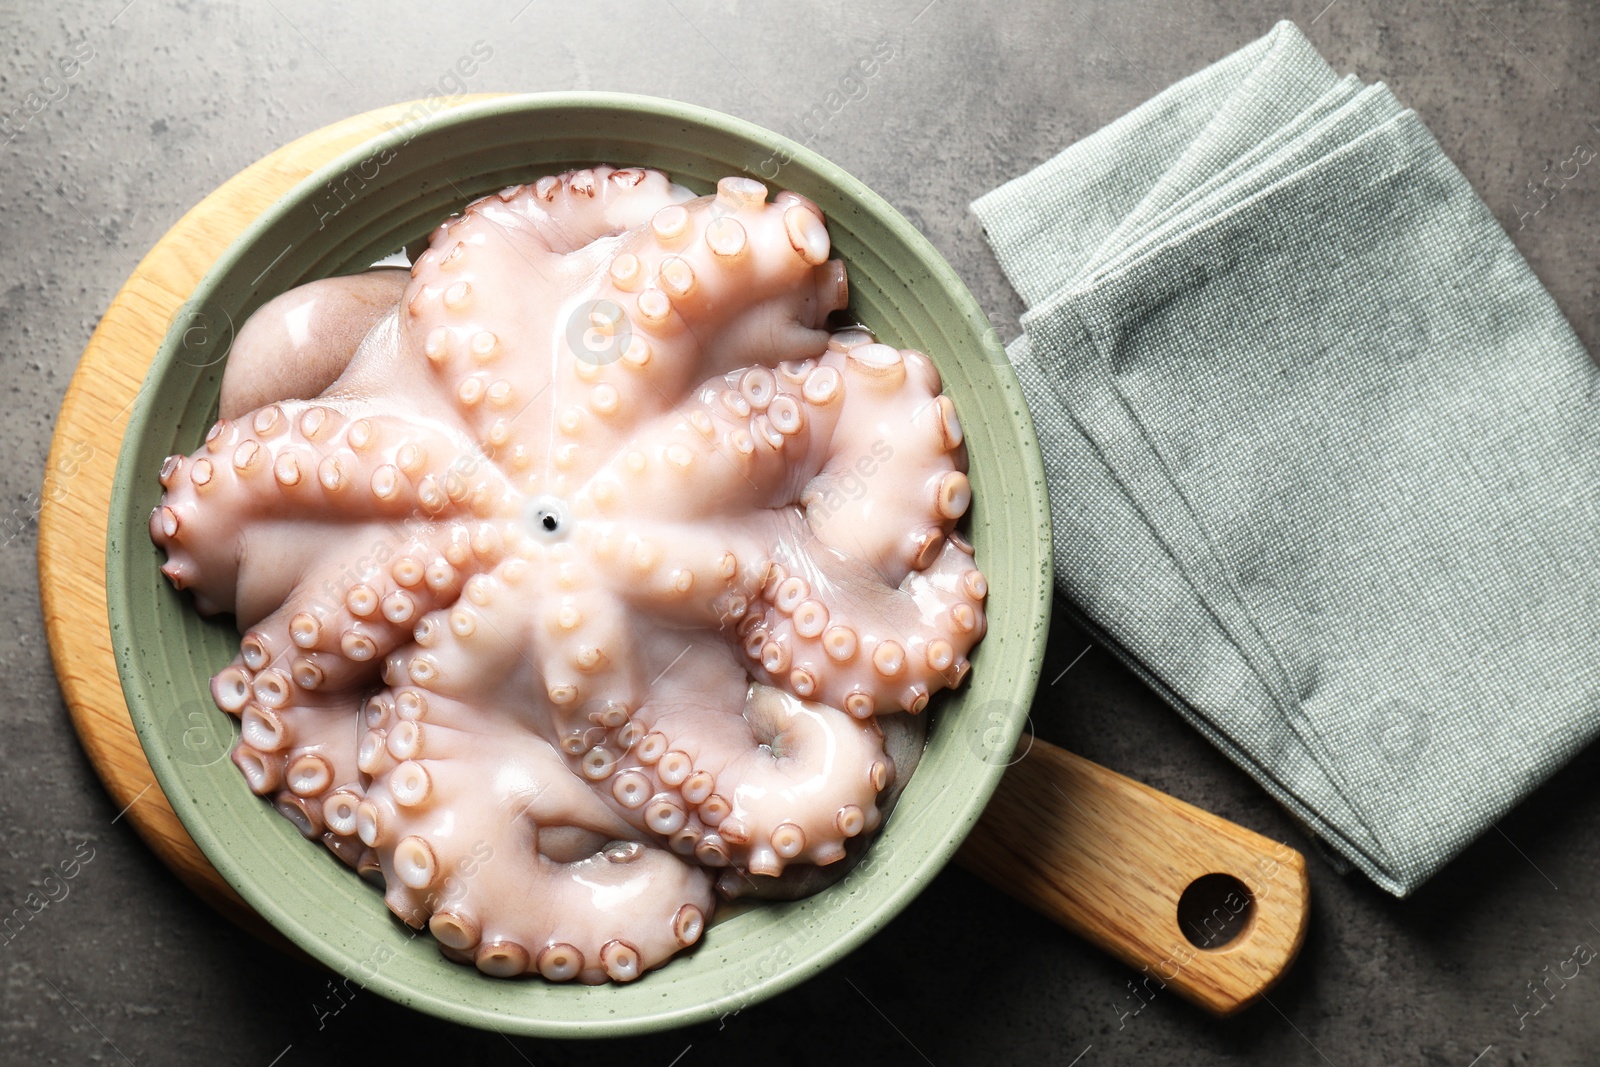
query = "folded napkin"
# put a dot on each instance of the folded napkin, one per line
(1323, 452)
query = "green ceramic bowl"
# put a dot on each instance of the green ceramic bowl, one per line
(392, 191)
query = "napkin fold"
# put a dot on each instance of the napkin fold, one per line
(1322, 451)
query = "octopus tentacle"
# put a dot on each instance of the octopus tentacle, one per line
(829, 631)
(567, 212)
(792, 785)
(897, 431)
(747, 440)
(903, 738)
(728, 281)
(463, 312)
(572, 893)
(225, 508)
(303, 671)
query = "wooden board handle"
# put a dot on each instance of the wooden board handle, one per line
(1110, 859)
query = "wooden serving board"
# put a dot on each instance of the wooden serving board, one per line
(1105, 856)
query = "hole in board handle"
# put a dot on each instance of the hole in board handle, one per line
(1215, 911)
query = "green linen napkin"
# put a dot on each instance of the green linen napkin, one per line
(1323, 452)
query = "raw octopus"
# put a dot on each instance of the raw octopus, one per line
(578, 564)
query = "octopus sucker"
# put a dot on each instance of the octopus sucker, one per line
(231, 688)
(561, 962)
(261, 772)
(582, 563)
(306, 818)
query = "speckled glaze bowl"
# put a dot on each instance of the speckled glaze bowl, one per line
(392, 191)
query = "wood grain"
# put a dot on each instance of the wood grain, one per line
(1100, 853)
(1109, 859)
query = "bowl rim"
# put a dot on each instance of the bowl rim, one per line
(889, 902)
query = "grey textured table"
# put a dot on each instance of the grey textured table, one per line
(172, 99)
